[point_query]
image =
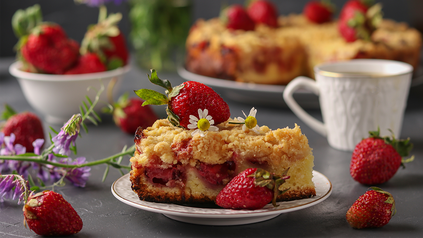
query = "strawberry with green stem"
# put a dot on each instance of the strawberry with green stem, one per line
(43, 47)
(376, 159)
(375, 208)
(185, 100)
(106, 40)
(252, 189)
(358, 22)
(46, 213)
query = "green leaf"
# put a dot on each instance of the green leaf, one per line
(175, 91)
(106, 172)
(160, 82)
(8, 112)
(151, 97)
(81, 110)
(114, 63)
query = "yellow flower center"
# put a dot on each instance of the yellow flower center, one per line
(203, 124)
(250, 122)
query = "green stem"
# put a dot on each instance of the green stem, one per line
(38, 159)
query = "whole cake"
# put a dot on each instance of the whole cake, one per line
(275, 54)
(190, 156)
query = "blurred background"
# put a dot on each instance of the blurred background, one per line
(75, 18)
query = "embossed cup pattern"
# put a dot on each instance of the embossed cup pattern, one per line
(356, 97)
(351, 107)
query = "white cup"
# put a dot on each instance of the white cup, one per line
(355, 97)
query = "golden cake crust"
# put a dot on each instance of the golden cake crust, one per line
(277, 55)
(174, 150)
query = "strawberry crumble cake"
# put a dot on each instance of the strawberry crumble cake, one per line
(190, 156)
(277, 53)
(171, 165)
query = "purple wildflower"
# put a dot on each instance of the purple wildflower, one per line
(77, 176)
(12, 187)
(67, 135)
(9, 148)
(37, 144)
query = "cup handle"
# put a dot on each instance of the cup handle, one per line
(310, 84)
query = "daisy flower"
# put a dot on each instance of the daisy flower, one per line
(250, 121)
(203, 123)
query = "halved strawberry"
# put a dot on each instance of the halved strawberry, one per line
(185, 100)
(251, 189)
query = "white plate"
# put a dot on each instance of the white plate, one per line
(262, 94)
(121, 189)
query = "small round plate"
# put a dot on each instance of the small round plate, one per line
(121, 189)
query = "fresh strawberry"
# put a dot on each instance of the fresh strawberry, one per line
(87, 63)
(106, 40)
(129, 114)
(251, 189)
(185, 100)
(319, 11)
(45, 46)
(48, 214)
(359, 23)
(375, 160)
(263, 12)
(375, 208)
(236, 18)
(26, 126)
(356, 5)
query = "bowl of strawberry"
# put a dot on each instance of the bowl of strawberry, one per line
(57, 73)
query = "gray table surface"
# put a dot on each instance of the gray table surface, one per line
(104, 216)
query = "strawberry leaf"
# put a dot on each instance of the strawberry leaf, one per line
(8, 112)
(151, 97)
(160, 82)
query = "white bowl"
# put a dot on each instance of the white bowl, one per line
(58, 97)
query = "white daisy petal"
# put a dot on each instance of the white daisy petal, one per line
(213, 128)
(256, 129)
(192, 126)
(195, 132)
(205, 113)
(211, 122)
(200, 114)
(193, 117)
(244, 127)
(208, 117)
(244, 114)
(240, 119)
(253, 112)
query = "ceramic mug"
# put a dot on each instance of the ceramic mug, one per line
(355, 97)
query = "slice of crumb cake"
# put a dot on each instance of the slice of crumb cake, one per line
(172, 165)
